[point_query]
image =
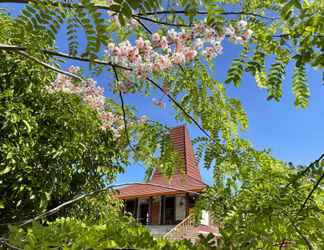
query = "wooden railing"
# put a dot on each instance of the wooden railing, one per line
(179, 231)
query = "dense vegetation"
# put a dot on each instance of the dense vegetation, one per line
(62, 143)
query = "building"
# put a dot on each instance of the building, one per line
(164, 204)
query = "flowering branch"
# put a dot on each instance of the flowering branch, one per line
(179, 106)
(84, 59)
(21, 51)
(124, 113)
(159, 22)
(140, 15)
(243, 13)
(143, 25)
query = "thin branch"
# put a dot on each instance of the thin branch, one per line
(179, 106)
(124, 114)
(84, 59)
(27, 55)
(204, 13)
(311, 193)
(299, 174)
(49, 66)
(307, 241)
(143, 25)
(106, 7)
(161, 22)
(9, 47)
(62, 3)
(56, 209)
(6, 242)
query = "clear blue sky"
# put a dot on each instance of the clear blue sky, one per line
(293, 135)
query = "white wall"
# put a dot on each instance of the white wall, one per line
(204, 218)
(180, 212)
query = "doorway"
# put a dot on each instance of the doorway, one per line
(169, 216)
(143, 213)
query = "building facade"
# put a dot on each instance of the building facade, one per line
(165, 204)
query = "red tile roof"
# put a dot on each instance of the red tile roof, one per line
(181, 142)
(162, 186)
(179, 183)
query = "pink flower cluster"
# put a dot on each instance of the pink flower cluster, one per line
(92, 95)
(158, 102)
(162, 52)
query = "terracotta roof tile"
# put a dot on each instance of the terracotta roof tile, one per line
(181, 142)
(177, 184)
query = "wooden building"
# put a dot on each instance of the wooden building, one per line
(164, 204)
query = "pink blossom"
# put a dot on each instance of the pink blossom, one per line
(133, 23)
(156, 37)
(125, 86)
(143, 119)
(140, 43)
(247, 34)
(238, 39)
(158, 102)
(164, 42)
(190, 55)
(198, 43)
(90, 94)
(172, 35)
(230, 31)
(242, 24)
(179, 45)
(111, 46)
(74, 69)
(174, 49)
(179, 58)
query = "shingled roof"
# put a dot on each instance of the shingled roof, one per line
(189, 181)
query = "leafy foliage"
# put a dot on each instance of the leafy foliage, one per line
(52, 147)
(300, 86)
(257, 205)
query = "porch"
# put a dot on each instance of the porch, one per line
(160, 210)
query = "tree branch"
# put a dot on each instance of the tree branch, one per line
(307, 241)
(56, 209)
(17, 50)
(84, 59)
(154, 13)
(4, 241)
(311, 193)
(54, 53)
(63, 55)
(179, 106)
(143, 25)
(124, 114)
(161, 22)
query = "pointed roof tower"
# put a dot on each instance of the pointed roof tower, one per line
(181, 143)
(189, 180)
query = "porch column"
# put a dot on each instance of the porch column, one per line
(150, 210)
(187, 204)
(136, 209)
(162, 210)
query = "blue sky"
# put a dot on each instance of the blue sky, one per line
(292, 134)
